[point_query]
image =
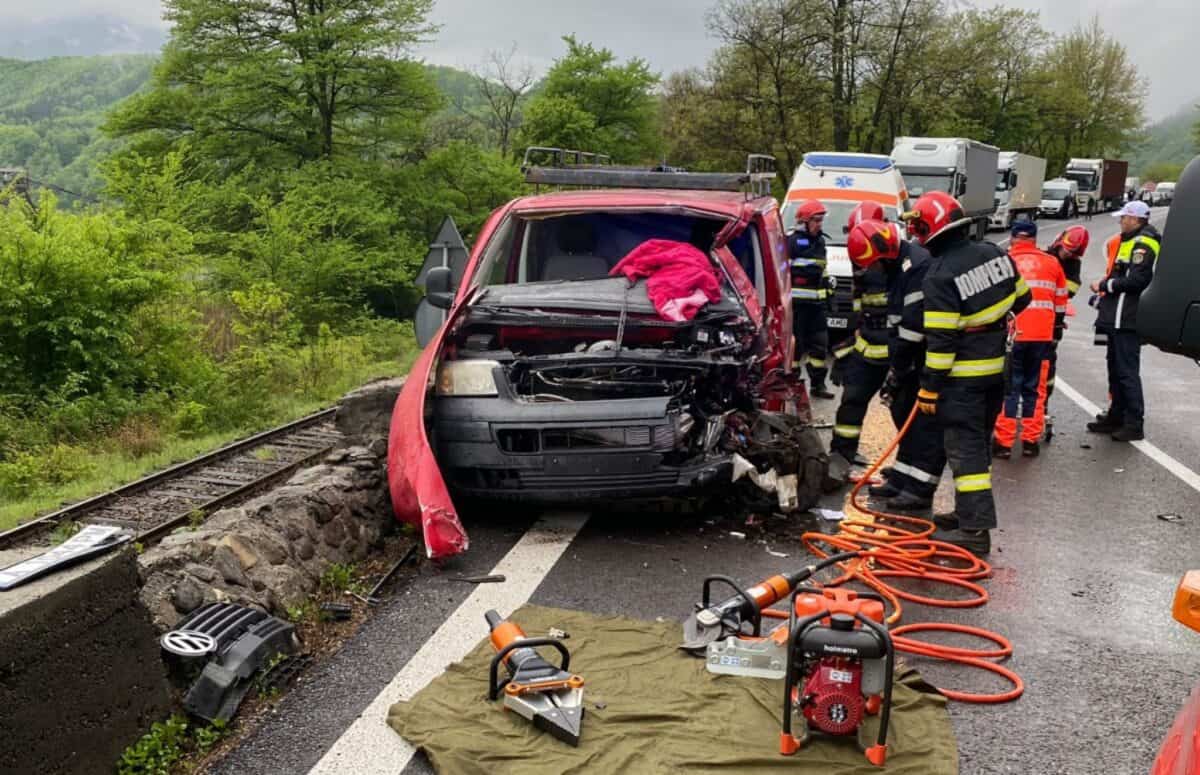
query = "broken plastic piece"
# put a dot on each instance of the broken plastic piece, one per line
(737, 534)
(1171, 517)
(830, 514)
(339, 612)
(90, 542)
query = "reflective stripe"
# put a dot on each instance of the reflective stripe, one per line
(1100, 338)
(843, 352)
(894, 320)
(1060, 308)
(990, 315)
(910, 336)
(1126, 252)
(803, 262)
(1048, 285)
(816, 363)
(945, 320)
(904, 267)
(914, 472)
(913, 298)
(973, 482)
(939, 361)
(1041, 304)
(875, 299)
(1072, 287)
(1022, 287)
(856, 305)
(809, 294)
(847, 431)
(871, 351)
(981, 368)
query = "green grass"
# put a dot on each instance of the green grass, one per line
(111, 465)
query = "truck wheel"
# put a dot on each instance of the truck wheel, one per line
(1091, 207)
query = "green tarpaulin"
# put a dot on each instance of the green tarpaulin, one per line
(660, 712)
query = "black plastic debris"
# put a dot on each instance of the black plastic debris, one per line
(1171, 517)
(237, 642)
(338, 612)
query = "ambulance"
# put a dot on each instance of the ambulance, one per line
(842, 181)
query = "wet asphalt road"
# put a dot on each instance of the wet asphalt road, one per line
(1083, 578)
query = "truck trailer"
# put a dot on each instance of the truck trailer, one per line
(1101, 183)
(1019, 179)
(963, 168)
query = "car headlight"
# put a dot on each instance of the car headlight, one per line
(467, 378)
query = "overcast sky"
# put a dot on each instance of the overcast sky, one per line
(1160, 35)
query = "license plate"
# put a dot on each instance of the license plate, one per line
(837, 322)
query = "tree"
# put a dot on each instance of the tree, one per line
(1196, 133)
(1162, 172)
(503, 86)
(284, 82)
(589, 102)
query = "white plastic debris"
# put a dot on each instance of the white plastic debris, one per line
(830, 515)
(774, 553)
(736, 534)
(785, 487)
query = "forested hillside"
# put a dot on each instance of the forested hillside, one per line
(51, 111)
(1170, 144)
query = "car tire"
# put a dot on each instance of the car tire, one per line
(813, 470)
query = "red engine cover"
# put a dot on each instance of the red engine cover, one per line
(833, 696)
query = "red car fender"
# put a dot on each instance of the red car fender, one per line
(1180, 752)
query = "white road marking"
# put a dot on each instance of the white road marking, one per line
(1185, 474)
(369, 745)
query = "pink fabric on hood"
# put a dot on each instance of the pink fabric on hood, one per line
(680, 278)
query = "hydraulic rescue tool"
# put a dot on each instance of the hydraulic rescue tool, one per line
(549, 696)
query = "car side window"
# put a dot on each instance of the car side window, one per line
(498, 266)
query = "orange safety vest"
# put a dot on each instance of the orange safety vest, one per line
(1048, 290)
(1112, 248)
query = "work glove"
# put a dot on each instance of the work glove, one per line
(891, 383)
(927, 401)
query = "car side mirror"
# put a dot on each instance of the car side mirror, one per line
(962, 187)
(437, 287)
(1013, 182)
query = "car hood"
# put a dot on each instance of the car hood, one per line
(610, 294)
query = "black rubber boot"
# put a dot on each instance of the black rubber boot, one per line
(1128, 433)
(977, 542)
(885, 490)
(908, 503)
(946, 521)
(1107, 425)
(1001, 451)
(818, 390)
(1030, 449)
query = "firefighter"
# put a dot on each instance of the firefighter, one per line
(810, 290)
(864, 367)
(1069, 247)
(1034, 335)
(913, 477)
(866, 211)
(970, 288)
(1119, 292)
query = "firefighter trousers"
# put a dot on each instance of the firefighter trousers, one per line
(1025, 401)
(967, 409)
(861, 380)
(921, 456)
(811, 333)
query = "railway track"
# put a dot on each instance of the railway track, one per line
(155, 505)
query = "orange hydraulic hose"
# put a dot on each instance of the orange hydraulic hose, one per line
(899, 546)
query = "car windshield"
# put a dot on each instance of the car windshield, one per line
(1055, 194)
(923, 184)
(836, 217)
(581, 247)
(1002, 180)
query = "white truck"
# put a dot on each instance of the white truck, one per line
(1101, 183)
(1164, 193)
(963, 168)
(1019, 179)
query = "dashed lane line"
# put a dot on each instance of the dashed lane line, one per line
(1182, 472)
(369, 746)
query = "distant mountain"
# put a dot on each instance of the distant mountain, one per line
(85, 35)
(1169, 141)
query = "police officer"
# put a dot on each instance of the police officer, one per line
(970, 288)
(862, 362)
(1116, 325)
(810, 289)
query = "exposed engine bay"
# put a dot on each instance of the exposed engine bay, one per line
(578, 403)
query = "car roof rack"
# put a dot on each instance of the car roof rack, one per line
(579, 169)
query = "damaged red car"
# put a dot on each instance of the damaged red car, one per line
(556, 378)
